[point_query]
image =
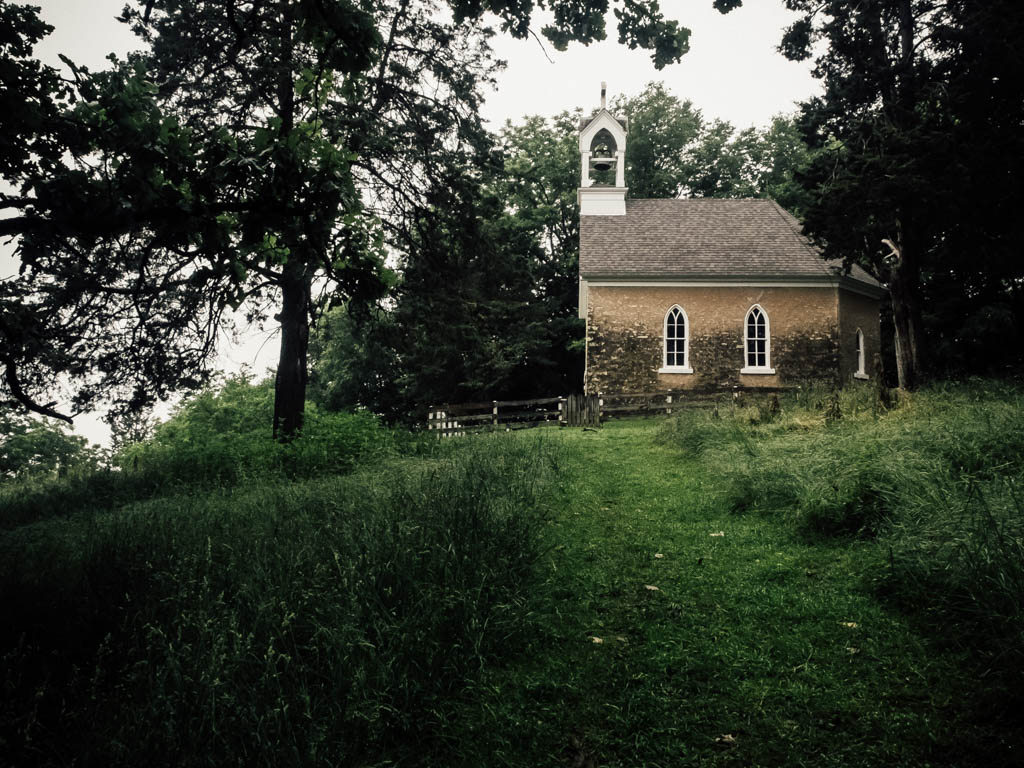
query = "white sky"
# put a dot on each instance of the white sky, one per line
(732, 72)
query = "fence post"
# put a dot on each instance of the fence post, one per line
(561, 411)
(668, 400)
(494, 413)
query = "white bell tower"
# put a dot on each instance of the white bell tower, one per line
(603, 154)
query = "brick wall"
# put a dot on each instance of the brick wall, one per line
(625, 336)
(856, 311)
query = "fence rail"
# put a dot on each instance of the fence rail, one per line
(577, 410)
(622, 404)
(504, 414)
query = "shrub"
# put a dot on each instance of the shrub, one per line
(224, 438)
(216, 440)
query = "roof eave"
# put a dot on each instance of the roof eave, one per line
(705, 278)
(853, 285)
(843, 282)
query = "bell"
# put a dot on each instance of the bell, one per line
(602, 159)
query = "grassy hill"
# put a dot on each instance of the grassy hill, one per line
(828, 582)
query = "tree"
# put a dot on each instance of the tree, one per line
(30, 446)
(918, 132)
(82, 314)
(353, 362)
(538, 183)
(661, 128)
(228, 164)
(674, 152)
(471, 317)
(486, 307)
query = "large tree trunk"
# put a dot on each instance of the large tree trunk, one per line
(906, 318)
(292, 369)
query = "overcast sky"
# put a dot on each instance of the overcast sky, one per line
(732, 72)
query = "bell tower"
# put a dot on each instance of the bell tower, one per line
(602, 189)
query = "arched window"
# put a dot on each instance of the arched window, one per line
(757, 342)
(676, 349)
(861, 373)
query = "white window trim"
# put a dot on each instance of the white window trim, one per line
(766, 369)
(861, 354)
(685, 367)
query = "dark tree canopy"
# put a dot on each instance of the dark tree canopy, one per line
(255, 155)
(918, 173)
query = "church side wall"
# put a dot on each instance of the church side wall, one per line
(856, 311)
(625, 327)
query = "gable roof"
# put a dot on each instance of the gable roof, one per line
(584, 122)
(705, 239)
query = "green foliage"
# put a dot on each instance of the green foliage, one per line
(957, 550)
(917, 139)
(641, 23)
(673, 152)
(327, 622)
(487, 304)
(758, 647)
(152, 197)
(218, 439)
(661, 127)
(30, 447)
(352, 362)
(698, 431)
(496, 588)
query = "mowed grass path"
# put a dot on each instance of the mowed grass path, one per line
(667, 632)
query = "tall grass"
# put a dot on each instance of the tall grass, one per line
(326, 622)
(935, 481)
(217, 440)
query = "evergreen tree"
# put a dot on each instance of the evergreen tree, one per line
(917, 177)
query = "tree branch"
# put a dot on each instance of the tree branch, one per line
(11, 377)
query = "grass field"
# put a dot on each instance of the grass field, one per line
(827, 584)
(670, 632)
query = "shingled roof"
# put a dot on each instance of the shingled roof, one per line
(703, 239)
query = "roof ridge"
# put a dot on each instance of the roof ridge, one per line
(700, 199)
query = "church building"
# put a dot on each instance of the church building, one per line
(708, 293)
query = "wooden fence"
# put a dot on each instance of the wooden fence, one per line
(577, 410)
(498, 414)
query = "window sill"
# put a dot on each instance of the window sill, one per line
(862, 376)
(758, 371)
(675, 369)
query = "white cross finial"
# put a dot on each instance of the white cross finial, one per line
(604, 87)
